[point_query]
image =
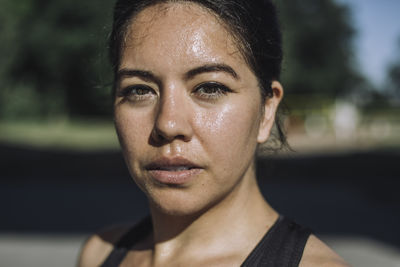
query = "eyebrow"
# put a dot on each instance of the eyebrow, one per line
(147, 76)
(150, 77)
(211, 68)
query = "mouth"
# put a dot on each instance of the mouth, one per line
(173, 171)
(172, 168)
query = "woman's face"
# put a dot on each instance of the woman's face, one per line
(188, 110)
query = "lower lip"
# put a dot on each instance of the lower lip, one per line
(174, 177)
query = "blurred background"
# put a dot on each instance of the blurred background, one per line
(62, 176)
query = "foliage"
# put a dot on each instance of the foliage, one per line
(54, 63)
(54, 50)
(394, 76)
(318, 48)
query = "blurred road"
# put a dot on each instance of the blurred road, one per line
(62, 251)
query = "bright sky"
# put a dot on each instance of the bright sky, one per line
(378, 25)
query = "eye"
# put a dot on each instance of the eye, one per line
(211, 90)
(137, 93)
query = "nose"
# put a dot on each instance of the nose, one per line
(173, 118)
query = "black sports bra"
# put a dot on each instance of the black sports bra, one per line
(281, 246)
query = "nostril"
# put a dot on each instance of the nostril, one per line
(181, 137)
(157, 136)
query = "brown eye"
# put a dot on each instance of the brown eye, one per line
(136, 90)
(138, 93)
(211, 90)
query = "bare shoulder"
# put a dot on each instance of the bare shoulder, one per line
(317, 253)
(98, 246)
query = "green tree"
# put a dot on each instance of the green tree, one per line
(318, 48)
(394, 76)
(55, 52)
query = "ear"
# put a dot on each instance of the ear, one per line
(270, 107)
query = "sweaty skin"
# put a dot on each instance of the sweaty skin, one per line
(189, 116)
(217, 131)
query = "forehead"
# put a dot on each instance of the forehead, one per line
(178, 33)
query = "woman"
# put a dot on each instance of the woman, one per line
(196, 92)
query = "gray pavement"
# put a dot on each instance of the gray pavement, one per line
(39, 251)
(362, 252)
(18, 250)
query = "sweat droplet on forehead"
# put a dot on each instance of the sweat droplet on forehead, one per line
(197, 40)
(197, 46)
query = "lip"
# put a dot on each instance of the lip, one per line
(173, 171)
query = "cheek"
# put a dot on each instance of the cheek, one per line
(133, 131)
(229, 132)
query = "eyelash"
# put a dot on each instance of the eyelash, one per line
(128, 92)
(219, 90)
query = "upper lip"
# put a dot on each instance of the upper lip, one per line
(165, 163)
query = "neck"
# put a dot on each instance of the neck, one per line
(242, 216)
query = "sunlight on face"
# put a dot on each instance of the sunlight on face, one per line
(187, 110)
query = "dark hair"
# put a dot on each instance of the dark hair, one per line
(253, 24)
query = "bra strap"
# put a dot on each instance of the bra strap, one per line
(282, 246)
(127, 241)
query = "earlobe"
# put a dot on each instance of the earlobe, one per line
(270, 107)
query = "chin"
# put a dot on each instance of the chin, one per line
(178, 203)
